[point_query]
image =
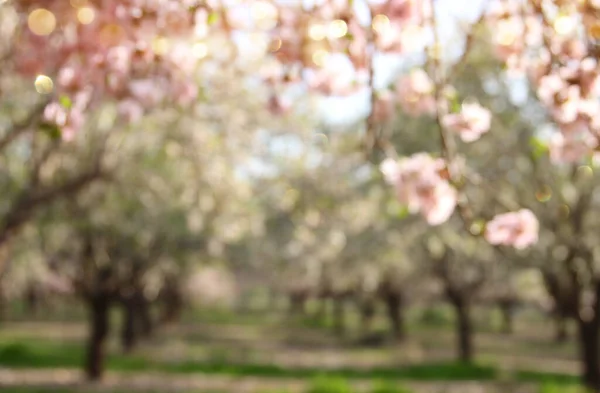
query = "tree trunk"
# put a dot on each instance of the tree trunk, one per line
(321, 312)
(394, 306)
(32, 300)
(367, 312)
(297, 305)
(146, 324)
(561, 335)
(128, 329)
(339, 316)
(507, 310)
(588, 346)
(172, 305)
(99, 323)
(3, 303)
(464, 328)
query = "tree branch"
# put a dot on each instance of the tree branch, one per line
(31, 199)
(20, 128)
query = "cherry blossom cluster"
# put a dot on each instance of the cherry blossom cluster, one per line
(556, 44)
(140, 53)
(421, 183)
(135, 52)
(308, 38)
(303, 42)
(518, 229)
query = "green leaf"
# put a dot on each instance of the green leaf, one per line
(403, 212)
(395, 209)
(65, 101)
(213, 17)
(538, 148)
(51, 130)
(454, 106)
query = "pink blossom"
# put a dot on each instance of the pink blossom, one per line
(415, 93)
(508, 38)
(69, 121)
(185, 93)
(118, 46)
(277, 105)
(146, 91)
(549, 86)
(420, 186)
(571, 147)
(470, 123)
(118, 59)
(438, 201)
(518, 229)
(56, 114)
(329, 80)
(130, 110)
(69, 78)
(397, 10)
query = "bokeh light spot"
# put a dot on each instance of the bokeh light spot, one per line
(380, 23)
(585, 172)
(594, 31)
(317, 32)
(43, 84)
(319, 57)
(160, 45)
(564, 25)
(86, 15)
(275, 45)
(338, 29)
(41, 22)
(544, 194)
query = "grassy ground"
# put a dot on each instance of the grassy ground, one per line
(224, 352)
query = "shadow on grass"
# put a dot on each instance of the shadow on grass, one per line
(67, 355)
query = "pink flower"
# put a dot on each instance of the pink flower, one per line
(184, 92)
(146, 91)
(397, 10)
(130, 110)
(278, 106)
(438, 200)
(421, 187)
(508, 37)
(549, 86)
(571, 147)
(470, 123)
(415, 93)
(518, 229)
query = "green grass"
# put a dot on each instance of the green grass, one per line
(547, 378)
(561, 388)
(44, 354)
(320, 385)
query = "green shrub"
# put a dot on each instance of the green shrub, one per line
(386, 387)
(14, 351)
(329, 385)
(435, 316)
(560, 388)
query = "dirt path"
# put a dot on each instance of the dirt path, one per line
(164, 383)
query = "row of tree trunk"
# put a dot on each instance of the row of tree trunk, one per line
(137, 323)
